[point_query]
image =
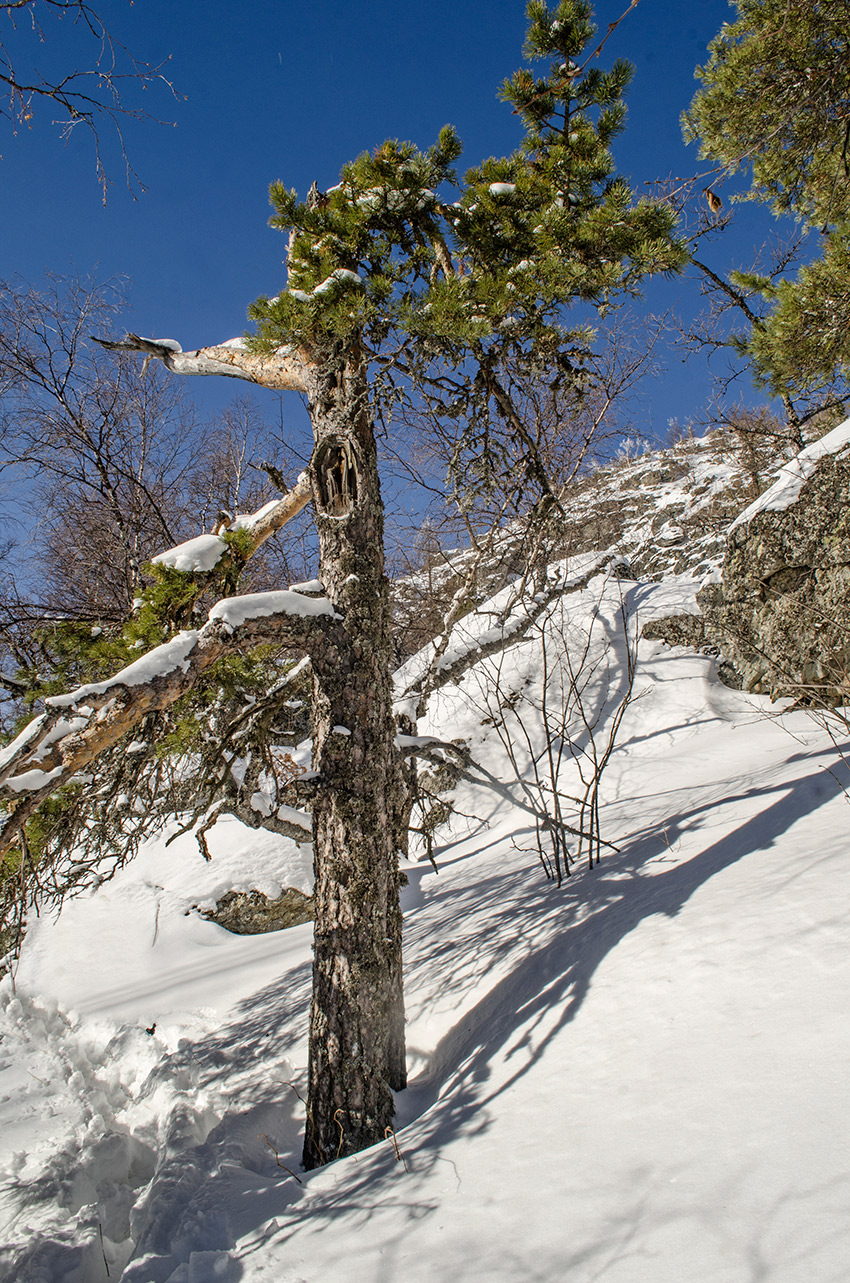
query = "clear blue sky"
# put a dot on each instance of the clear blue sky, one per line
(273, 89)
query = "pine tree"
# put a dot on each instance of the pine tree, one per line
(776, 103)
(384, 264)
(398, 290)
(384, 256)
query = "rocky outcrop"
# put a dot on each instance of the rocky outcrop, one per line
(677, 630)
(666, 512)
(781, 611)
(248, 913)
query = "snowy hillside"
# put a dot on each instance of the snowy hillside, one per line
(638, 1077)
(661, 511)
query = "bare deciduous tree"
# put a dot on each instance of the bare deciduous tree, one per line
(100, 448)
(559, 727)
(35, 71)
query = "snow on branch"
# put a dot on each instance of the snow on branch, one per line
(285, 369)
(236, 612)
(75, 728)
(203, 553)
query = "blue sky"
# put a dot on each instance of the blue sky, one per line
(281, 90)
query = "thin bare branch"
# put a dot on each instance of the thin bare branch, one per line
(92, 96)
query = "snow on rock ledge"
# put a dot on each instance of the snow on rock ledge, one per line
(793, 475)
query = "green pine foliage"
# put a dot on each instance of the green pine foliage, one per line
(775, 103)
(450, 283)
(806, 341)
(76, 652)
(459, 287)
(401, 252)
(172, 597)
(73, 653)
(360, 253)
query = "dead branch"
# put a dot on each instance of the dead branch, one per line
(513, 623)
(286, 369)
(259, 525)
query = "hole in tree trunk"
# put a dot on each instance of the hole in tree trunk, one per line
(337, 474)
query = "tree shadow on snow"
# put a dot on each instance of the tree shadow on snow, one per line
(564, 938)
(556, 973)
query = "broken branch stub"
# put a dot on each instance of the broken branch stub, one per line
(286, 369)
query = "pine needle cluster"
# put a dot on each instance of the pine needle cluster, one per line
(775, 104)
(402, 252)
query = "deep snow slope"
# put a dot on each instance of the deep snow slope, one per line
(638, 1077)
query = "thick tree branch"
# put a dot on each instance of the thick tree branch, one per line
(738, 298)
(286, 369)
(77, 727)
(261, 525)
(258, 526)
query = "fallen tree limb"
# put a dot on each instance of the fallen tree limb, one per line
(472, 644)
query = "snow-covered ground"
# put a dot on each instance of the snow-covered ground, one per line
(640, 1077)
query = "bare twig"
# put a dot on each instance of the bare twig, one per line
(91, 96)
(262, 1136)
(393, 1139)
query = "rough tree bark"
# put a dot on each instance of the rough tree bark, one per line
(357, 1019)
(357, 1054)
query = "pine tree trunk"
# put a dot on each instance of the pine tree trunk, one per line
(357, 1019)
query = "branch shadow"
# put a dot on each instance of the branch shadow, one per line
(559, 965)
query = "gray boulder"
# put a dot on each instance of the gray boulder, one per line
(781, 612)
